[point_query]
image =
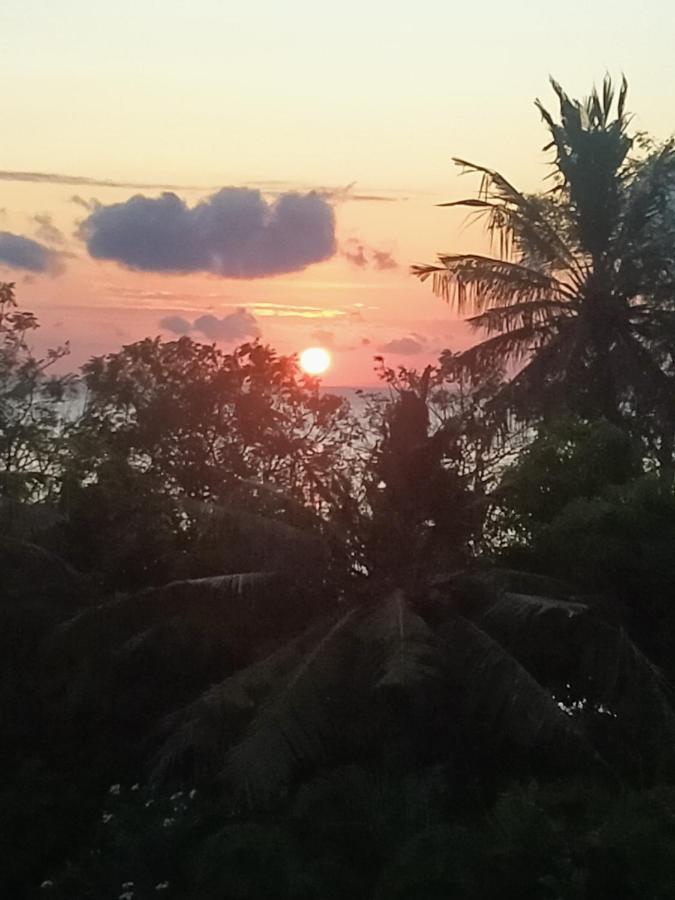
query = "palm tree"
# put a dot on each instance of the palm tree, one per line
(261, 678)
(468, 671)
(582, 291)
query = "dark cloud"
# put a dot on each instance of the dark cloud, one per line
(175, 324)
(406, 346)
(90, 205)
(19, 252)
(375, 198)
(360, 254)
(382, 259)
(355, 253)
(239, 324)
(47, 231)
(233, 327)
(235, 233)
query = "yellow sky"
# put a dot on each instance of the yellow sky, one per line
(294, 95)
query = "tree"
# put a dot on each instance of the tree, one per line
(185, 454)
(455, 675)
(206, 420)
(582, 293)
(435, 458)
(31, 415)
(578, 506)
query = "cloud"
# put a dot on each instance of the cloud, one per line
(90, 205)
(355, 253)
(175, 324)
(407, 346)
(325, 338)
(233, 327)
(346, 193)
(271, 187)
(47, 231)
(235, 233)
(56, 178)
(239, 324)
(19, 252)
(360, 254)
(382, 259)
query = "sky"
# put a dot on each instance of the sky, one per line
(271, 169)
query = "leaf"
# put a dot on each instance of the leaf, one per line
(482, 282)
(566, 642)
(293, 724)
(504, 701)
(401, 646)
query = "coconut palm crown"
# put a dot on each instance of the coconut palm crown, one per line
(581, 293)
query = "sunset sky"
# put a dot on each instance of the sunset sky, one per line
(361, 103)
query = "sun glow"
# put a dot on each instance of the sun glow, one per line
(315, 360)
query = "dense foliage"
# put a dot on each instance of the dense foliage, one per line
(256, 646)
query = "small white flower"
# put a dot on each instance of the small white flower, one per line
(162, 886)
(176, 796)
(192, 794)
(135, 787)
(168, 822)
(47, 883)
(127, 884)
(126, 895)
(148, 803)
(114, 789)
(106, 817)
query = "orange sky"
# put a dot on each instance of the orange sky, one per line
(290, 97)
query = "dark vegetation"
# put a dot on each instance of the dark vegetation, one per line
(254, 646)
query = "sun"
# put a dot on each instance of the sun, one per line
(315, 360)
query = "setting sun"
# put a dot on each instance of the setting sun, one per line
(314, 360)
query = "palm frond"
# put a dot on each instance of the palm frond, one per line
(201, 733)
(644, 240)
(544, 382)
(566, 643)
(519, 315)
(293, 725)
(501, 697)
(481, 281)
(37, 575)
(401, 646)
(120, 618)
(510, 345)
(514, 217)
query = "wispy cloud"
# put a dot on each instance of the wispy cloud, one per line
(292, 310)
(272, 187)
(47, 231)
(85, 181)
(134, 298)
(347, 193)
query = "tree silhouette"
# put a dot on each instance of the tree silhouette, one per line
(583, 287)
